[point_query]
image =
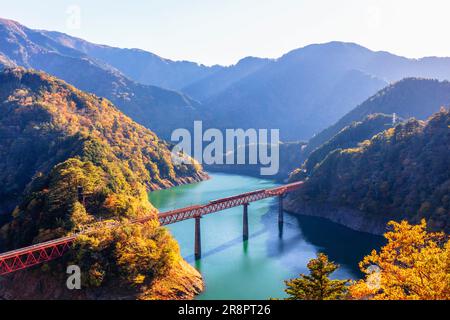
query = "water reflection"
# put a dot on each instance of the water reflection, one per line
(256, 269)
(343, 245)
(236, 242)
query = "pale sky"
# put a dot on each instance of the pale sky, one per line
(224, 31)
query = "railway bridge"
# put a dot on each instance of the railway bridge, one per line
(31, 256)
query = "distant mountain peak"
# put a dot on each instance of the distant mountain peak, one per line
(251, 59)
(10, 23)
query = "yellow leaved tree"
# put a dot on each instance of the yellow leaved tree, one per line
(414, 265)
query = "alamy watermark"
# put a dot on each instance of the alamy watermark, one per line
(373, 280)
(73, 20)
(73, 281)
(235, 147)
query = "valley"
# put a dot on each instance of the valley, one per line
(88, 147)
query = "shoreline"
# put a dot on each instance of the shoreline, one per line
(350, 218)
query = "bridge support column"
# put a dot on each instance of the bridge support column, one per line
(198, 239)
(245, 222)
(280, 209)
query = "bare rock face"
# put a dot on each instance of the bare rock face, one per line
(179, 181)
(348, 217)
(183, 282)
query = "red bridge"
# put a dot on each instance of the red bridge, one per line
(44, 252)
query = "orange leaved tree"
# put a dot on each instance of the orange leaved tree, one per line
(414, 265)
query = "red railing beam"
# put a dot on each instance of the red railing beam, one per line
(44, 252)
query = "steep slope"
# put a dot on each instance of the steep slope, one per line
(412, 97)
(139, 65)
(40, 118)
(5, 62)
(159, 109)
(402, 173)
(349, 137)
(294, 160)
(55, 139)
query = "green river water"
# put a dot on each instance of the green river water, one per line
(257, 269)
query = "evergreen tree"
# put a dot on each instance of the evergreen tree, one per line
(317, 285)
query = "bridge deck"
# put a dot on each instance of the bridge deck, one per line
(43, 252)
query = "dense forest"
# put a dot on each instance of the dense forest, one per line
(401, 173)
(408, 98)
(43, 120)
(56, 138)
(82, 144)
(349, 137)
(145, 104)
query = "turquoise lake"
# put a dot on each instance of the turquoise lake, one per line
(257, 268)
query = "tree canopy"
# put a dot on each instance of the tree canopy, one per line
(401, 173)
(414, 265)
(317, 285)
(57, 139)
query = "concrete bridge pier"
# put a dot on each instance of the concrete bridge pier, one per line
(198, 239)
(280, 209)
(245, 222)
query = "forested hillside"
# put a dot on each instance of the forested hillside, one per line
(42, 119)
(402, 173)
(159, 109)
(349, 137)
(408, 98)
(56, 138)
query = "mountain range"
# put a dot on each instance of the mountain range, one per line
(301, 93)
(139, 65)
(152, 106)
(310, 88)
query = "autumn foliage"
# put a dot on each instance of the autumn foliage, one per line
(402, 173)
(57, 139)
(133, 254)
(414, 265)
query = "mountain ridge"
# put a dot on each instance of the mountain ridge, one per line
(400, 173)
(142, 66)
(149, 105)
(410, 97)
(61, 112)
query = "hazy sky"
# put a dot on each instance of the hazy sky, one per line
(223, 31)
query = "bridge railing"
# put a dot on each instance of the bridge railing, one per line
(44, 252)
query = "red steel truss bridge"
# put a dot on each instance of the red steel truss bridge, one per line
(31, 256)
